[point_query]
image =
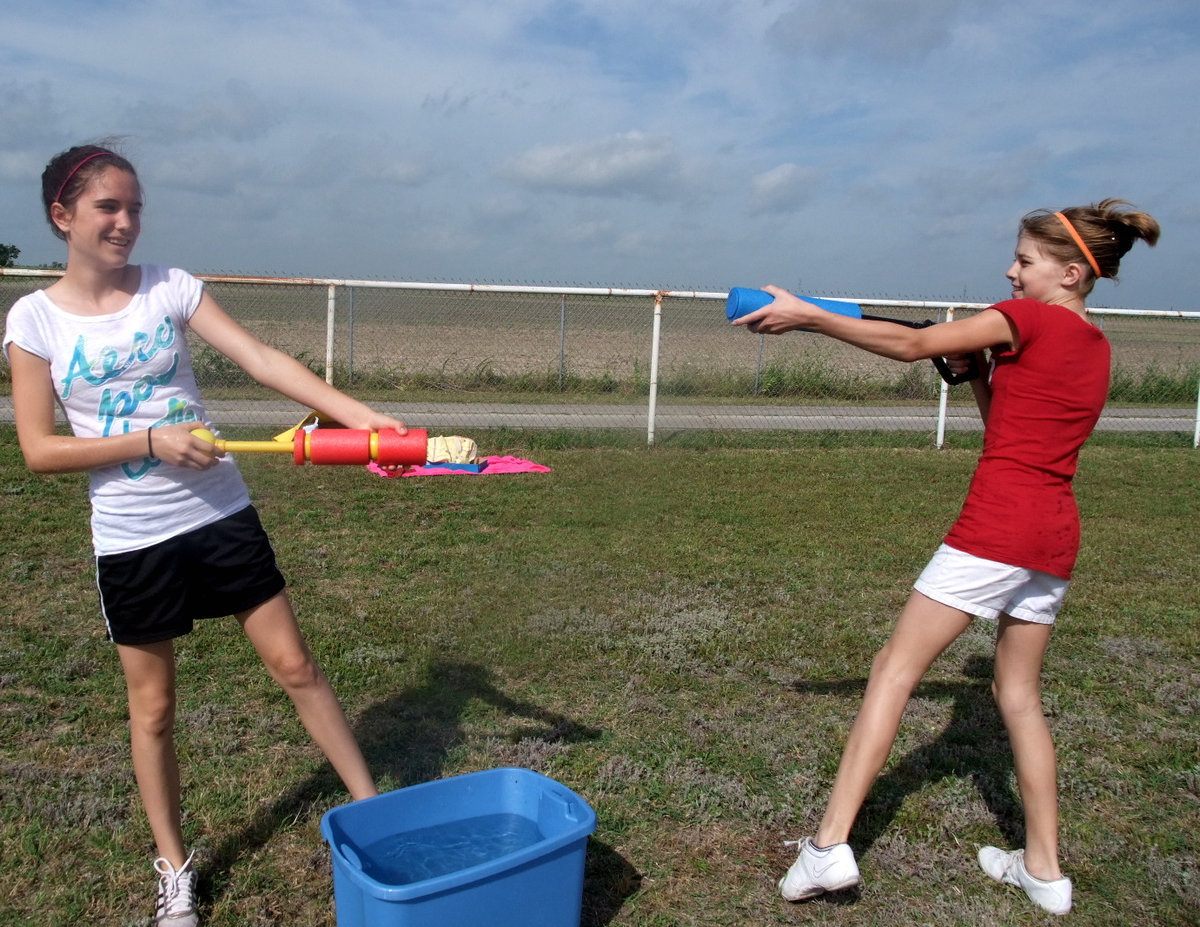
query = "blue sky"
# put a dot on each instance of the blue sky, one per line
(871, 148)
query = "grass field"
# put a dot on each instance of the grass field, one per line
(680, 635)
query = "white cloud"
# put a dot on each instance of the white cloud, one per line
(621, 165)
(782, 189)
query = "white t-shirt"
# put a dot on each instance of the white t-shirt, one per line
(123, 372)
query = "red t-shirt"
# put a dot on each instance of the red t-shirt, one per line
(1046, 398)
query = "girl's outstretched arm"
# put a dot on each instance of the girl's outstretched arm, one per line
(282, 373)
(987, 329)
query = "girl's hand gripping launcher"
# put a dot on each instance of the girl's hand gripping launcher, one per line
(386, 448)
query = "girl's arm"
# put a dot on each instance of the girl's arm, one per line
(286, 375)
(981, 386)
(46, 451)
(987, 329)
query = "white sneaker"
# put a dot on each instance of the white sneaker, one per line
(1009, 867)
(176, 906)
(815, 871)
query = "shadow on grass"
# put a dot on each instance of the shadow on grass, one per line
(609, 880)
(973, 745)
(407, 738)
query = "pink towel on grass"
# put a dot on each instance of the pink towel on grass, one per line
(494, 465)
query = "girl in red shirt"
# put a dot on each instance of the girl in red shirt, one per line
(1009, 555)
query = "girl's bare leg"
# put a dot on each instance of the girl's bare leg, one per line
(924, 630)
(273, 631)
(150, 679)
(1020, 649)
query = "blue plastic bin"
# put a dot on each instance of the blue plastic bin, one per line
(498, 848)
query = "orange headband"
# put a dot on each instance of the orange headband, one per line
(1079, 241)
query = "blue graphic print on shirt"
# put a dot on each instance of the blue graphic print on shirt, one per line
(110, 364)
(117, 407)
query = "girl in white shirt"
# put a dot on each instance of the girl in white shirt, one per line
(175, 536)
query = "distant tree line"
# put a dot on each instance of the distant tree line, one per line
(10, 253)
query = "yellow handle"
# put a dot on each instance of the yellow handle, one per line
(234, 447)
(271, 447)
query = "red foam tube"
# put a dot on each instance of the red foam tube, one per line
(358, 446)
(402, 450)
(339, 446)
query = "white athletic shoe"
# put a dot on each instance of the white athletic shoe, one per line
(176, 906)
(815, 871)
(1009, 868)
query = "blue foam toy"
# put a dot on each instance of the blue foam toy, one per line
(743, 300)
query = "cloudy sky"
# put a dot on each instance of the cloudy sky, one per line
(872, 148)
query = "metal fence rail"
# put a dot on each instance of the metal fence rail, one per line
(456, 356)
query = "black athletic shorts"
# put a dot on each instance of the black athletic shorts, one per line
(157, 593)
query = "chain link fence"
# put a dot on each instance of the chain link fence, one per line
(456, 357)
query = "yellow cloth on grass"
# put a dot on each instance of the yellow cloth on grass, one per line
(451, 449)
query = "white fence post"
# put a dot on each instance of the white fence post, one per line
(1196, 435)
(330, 318)
(654, 342)
(943, 398)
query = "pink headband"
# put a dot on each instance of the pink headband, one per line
(75, 170)
(1079, 241)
